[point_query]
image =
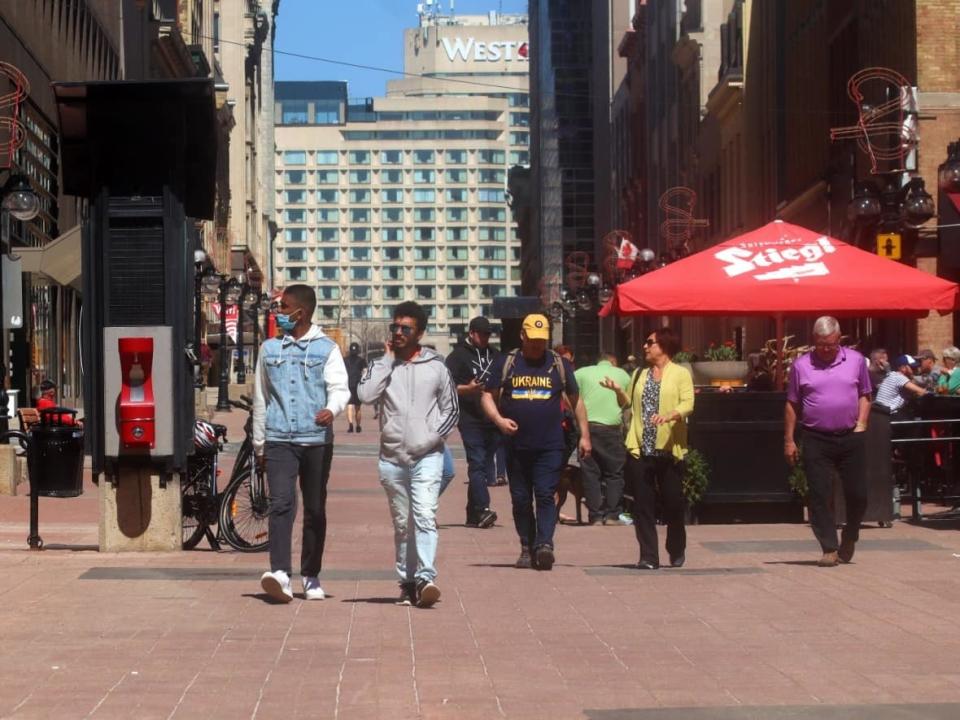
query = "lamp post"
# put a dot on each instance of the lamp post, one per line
(248, 301)
(18, 198)
(229, 290)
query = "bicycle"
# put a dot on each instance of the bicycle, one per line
(241, 510)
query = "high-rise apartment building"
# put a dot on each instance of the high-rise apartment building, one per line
(404, 196)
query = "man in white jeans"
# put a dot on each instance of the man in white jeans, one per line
(418, 409)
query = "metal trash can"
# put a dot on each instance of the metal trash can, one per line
(55, 454)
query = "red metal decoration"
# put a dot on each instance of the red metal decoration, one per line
(577, 268)
(886, 128)
(677, 204)
(12, 133)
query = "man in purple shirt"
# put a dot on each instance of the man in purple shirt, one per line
(829, 393)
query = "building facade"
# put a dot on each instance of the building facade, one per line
(404, 197)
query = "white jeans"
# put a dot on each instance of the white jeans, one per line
(414, 490)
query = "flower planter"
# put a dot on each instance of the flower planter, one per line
(721, 372)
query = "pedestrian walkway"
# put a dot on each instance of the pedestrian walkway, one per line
(749, 628)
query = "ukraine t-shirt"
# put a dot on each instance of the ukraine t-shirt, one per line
(531, 396)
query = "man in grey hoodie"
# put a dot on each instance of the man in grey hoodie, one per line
(418, 409)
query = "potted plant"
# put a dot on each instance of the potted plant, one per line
(720, 365)
(685, 358)
(696, 479)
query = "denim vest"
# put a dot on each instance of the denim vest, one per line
(295, 390)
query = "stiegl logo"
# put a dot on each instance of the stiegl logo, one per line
(750, 257)
(472, 49)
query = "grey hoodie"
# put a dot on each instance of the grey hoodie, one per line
(418, 404)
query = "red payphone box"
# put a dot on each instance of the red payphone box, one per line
(137, 412)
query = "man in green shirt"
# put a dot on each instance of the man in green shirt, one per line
(602, 472)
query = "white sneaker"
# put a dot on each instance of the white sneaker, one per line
(312, 589)
(276, 584)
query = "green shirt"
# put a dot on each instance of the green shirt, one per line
(601, 403)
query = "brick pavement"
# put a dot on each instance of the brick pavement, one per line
(749, 625)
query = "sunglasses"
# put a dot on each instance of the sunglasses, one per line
(648, 342)
(405, 330)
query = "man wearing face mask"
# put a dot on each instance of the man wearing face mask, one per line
(300, 387)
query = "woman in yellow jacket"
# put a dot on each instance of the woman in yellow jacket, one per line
(661, 397)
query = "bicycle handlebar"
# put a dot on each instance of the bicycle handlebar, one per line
(242, 406)
(247, 399)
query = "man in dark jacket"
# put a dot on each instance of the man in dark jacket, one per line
(355, 366)
(469, 364)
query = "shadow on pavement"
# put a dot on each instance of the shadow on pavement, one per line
(808, 563)
(72, 548)
(372, 600)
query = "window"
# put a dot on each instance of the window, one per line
(424, 273)
(518, 100)
(360, 292)
(456, 176)
(492, 215)
(491, 196)
(391, 234)
(520, 119)
(326, 112)
(295, 216)
(327, 312)
(519, 157)
(391, 157)
(424, 176)
(424, 234)
(328, 273)
(360, 177)
(328, 293)
(360, 234)
(328, 235)
(294, 112)
(391, 196)
(491, 176)
(456, 214)
(493, 253)
(295, 236)
(457, 312)
(327, 177)
(359, 157)
(422, 253)
(295, 177)
(456, 157)
(360, 254)
(296, 274)
(359, 216)
(392, 254)
(328, 254)
(457, 195)
(423, 157)
(360, 273)
(392, 292)
(491, 157)
(328, 215)
(424, 196)
(390, 215)
(327, 157)
(391, 177)
(328, 197)
(392, 273)
(295, 197)
(296, 255)
(359, 196)
(424, 215)
(491, 272)
(362, 311)
(457, 292)
(520, 138)
(492, 234)
(457, 234)
(426, 292)
(459, 253)
(492, 291)
(295, 157)
(456, 273)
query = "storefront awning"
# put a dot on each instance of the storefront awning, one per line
(58, 260)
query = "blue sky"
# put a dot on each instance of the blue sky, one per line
(366, 32)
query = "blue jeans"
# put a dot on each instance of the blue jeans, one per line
(449, 473)
(500, 464)
(534, 477)
(413, 490)
(480, 444)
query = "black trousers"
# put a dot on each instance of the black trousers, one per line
(650, 478)
(826, 455)
(285, 464)
(602, 472)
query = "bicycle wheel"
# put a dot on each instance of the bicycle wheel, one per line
(191, 510)
(244, 512)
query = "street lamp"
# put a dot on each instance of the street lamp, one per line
(248, 300)
(890, 209)
(229, 291)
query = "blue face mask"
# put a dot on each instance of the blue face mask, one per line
(285, 322)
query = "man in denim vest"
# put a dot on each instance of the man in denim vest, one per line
(418, 409)
(300, 387)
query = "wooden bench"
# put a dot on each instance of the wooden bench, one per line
(28, 418)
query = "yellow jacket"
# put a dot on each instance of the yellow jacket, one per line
(676, 393)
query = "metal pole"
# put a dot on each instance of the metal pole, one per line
(34, 541)
(255, 316)
(198, 321)
(242, 370)
(4, 357)
(223, 388)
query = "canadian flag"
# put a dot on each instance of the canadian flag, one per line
(627, 254)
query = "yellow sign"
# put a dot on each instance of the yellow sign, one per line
(888, 245)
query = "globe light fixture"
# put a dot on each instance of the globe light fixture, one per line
(20, 199)
(918, 207)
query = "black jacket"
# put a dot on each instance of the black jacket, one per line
(464, 362)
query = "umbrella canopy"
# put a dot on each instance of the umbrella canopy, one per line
(784, 270)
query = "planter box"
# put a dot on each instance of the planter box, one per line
(721, 372)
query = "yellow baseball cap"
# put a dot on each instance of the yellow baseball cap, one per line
(536, 327)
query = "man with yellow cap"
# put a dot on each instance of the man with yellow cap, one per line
(524, 396)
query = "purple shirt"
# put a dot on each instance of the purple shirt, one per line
(828, 394)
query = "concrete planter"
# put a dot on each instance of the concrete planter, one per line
(721, 372)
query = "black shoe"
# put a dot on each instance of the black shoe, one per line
(524, 562)
(350, 428)
(501, 481)
(545, 557)
(482, 519)
(847, 548)
(358, 427)
(647, 565)
(408, 594)
(427, 593)
(677, 561)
